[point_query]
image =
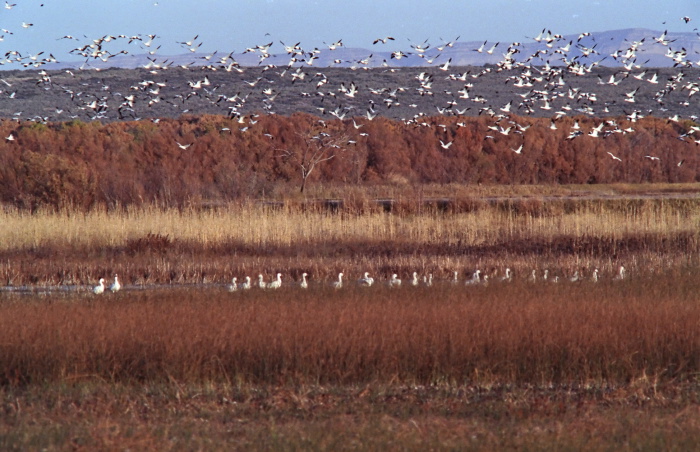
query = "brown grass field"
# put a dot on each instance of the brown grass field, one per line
(176, 362)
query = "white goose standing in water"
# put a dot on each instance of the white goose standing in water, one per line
(475, 279)
(233, 286)
(508, 277)
(620, 274)
(339, 283)
(99, 288)
(246, 285)
(414, 281)
(304, 284)
(394, 281)
(366, 280)
(261, 283)
(115, 285)
(277, 283)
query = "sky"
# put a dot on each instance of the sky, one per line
(234, 25)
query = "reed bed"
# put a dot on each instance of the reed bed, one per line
(260, 226)
(516, 333)
(152, 245)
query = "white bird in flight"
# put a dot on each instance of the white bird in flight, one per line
(614, 157)
(446, 145)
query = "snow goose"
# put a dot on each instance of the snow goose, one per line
(508, 276)
(394, 281)
(99, 288)
(261, 283)
(304, 284)
(339, 283)
(475, 279)
(246, 285)
(533, 276)
(115, 285)
(233, 286)
(414, 281)
(366, 280)
(620, 274)
(277, 283)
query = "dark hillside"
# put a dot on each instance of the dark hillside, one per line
(397, 93)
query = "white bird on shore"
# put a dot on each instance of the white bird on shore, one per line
(394, 281)
(304, 284)
(261, 283)
(366, 280)
(100, 288)
(115, 285)
(233, 286)
(277, 283)
(475, 279)
(620, 274)
(246, 285)
(508, 276)
(339, 283)
(533, 276)
(414, 281)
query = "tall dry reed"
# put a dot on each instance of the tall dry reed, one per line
(535, 333)
(259, 226)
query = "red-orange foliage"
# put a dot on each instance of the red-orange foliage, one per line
(88, 164)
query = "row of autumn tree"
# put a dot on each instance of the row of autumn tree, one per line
(215, 158)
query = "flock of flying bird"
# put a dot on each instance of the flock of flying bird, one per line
(545, 79)
(477, 278)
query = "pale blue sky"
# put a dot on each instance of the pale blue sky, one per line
(236, 24)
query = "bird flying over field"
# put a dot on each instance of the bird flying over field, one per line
(614, 157)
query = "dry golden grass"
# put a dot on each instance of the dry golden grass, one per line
(260, 225)
(255, 225)
(151, 245)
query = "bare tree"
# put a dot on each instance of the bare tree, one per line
(317, 146)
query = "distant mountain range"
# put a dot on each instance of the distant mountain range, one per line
(650, 48)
